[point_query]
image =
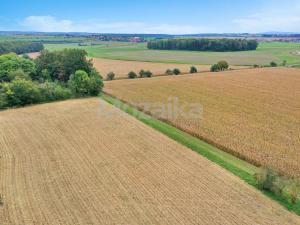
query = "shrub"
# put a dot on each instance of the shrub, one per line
(279, 185)
(284, 62)
(267, 179)
(62, 93)
(176, 71)
(110, 76)
(193, 69)
(214, 68)
(255, 66)
(273, 64)
(223, 65)
(132, 75)
(1, 201)
(292, 191)
(169, 72)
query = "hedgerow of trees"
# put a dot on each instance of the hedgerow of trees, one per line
(52, 76)
(20, 47)
(218, 45)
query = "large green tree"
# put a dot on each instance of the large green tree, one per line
(12, 62)
(62, 64)
(79, 83)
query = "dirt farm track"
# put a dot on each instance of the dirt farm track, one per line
(67, 163)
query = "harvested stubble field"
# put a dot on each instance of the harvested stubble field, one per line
(254, 114)
(68, 163)
(121, 68)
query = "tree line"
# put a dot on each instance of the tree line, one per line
(218, 45)
(52, 76)
(20, 47)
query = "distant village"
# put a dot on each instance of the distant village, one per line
(124, 38)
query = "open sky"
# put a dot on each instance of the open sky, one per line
(151, 16)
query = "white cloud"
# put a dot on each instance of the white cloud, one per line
(275, 17)
(51, 24)
(47, 23)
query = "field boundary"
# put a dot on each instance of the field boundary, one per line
(195, 135)
(185, 73)
(238, 167)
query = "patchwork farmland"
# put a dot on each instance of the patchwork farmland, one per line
(121, 68)
(265, 53)
(253, 114)
(87, 167)
(135, 113)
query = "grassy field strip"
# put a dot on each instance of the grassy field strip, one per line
(238, 167)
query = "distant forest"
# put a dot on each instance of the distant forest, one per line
(20, 47)
(217, 45)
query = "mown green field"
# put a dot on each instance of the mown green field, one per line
(43, 38)
(266, 52)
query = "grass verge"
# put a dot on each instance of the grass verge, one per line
(238, 167)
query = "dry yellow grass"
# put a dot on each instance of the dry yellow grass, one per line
(254, 114)
(121, 68)
(66, 163)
